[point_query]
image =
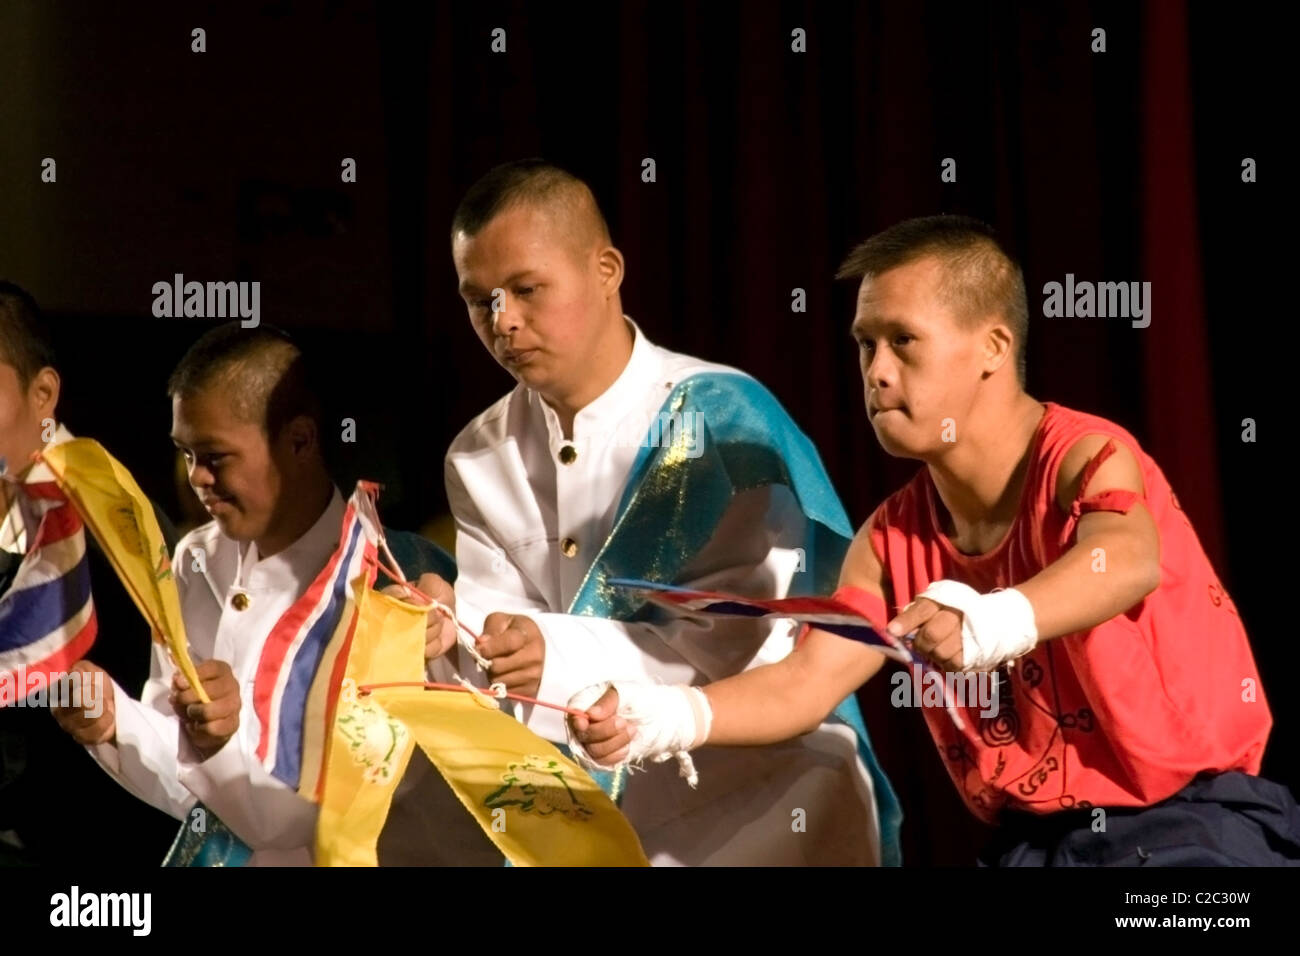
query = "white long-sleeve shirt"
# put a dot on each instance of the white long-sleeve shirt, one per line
(153, 758)
(532, 509)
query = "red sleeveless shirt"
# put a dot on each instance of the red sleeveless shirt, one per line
(1124, 714)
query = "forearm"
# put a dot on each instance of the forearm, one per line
(1102, 576)
(791, 697)
(761, 706)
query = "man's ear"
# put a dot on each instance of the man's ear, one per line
(302, 435)
(43, 392)
(609, 263)
(999, 346)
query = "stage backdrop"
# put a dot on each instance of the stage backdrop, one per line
(1109, 157)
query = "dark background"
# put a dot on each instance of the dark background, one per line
(225, 165)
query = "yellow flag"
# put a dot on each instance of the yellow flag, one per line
(535, 804)
(121, 518)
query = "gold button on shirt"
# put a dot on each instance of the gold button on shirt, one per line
(240, 601)
(568, 455)
(569, 547)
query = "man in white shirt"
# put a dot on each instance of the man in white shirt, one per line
(247, 422)
(537, 484)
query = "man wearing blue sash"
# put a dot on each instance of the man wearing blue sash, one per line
(613, 457)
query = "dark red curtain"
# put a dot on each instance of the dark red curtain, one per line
(1122, 165)
(1179, 383)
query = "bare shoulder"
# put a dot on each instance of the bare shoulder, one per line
(1120, 471)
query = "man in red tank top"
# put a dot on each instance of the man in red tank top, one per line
(1040, 545)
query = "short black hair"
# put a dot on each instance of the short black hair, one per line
(521, 180)
(25, 341)
(980, 276)
(262, 369)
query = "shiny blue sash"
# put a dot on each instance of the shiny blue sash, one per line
(214, 845)
(716, 435)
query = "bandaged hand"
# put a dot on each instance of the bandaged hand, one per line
(960, 629)
(628, 722)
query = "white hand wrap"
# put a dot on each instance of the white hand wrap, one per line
(664, 720)
(995, 627)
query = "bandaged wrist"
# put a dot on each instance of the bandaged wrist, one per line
(663, 721)
(995, 627)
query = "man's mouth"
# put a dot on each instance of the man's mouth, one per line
(518, 357)
(876, 410)
(216, 505)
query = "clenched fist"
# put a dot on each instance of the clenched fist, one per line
(101, 728)
(208, 726)
(515, 646)
(937, 632)
(604, 735)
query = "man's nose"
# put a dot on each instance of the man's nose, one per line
(200, 476)
(880, 372)
(507, 321)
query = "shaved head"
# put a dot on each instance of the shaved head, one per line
(540, 281)
(978, 277)
(260, 372)
(565, 200)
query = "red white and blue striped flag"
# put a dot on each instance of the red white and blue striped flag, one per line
(823, 613)
(306, 650)
(47, 617)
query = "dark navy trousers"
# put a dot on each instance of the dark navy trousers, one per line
(1228, 819)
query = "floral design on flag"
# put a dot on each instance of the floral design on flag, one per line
(375, 738)
(537, 785)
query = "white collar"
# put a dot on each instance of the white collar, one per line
(300, 561)
(624, 393)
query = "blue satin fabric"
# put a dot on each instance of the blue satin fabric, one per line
(214, 845)
(729, 435)
(717, 435)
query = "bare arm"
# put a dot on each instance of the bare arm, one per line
(770, 703)
(794, 695)
(1113, 564)
(1115, 560)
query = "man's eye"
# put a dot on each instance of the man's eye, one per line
(526, 290)
(902, 339)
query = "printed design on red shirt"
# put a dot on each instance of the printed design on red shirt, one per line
(1124, 713)
(1004, 727)
(1045, 781)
